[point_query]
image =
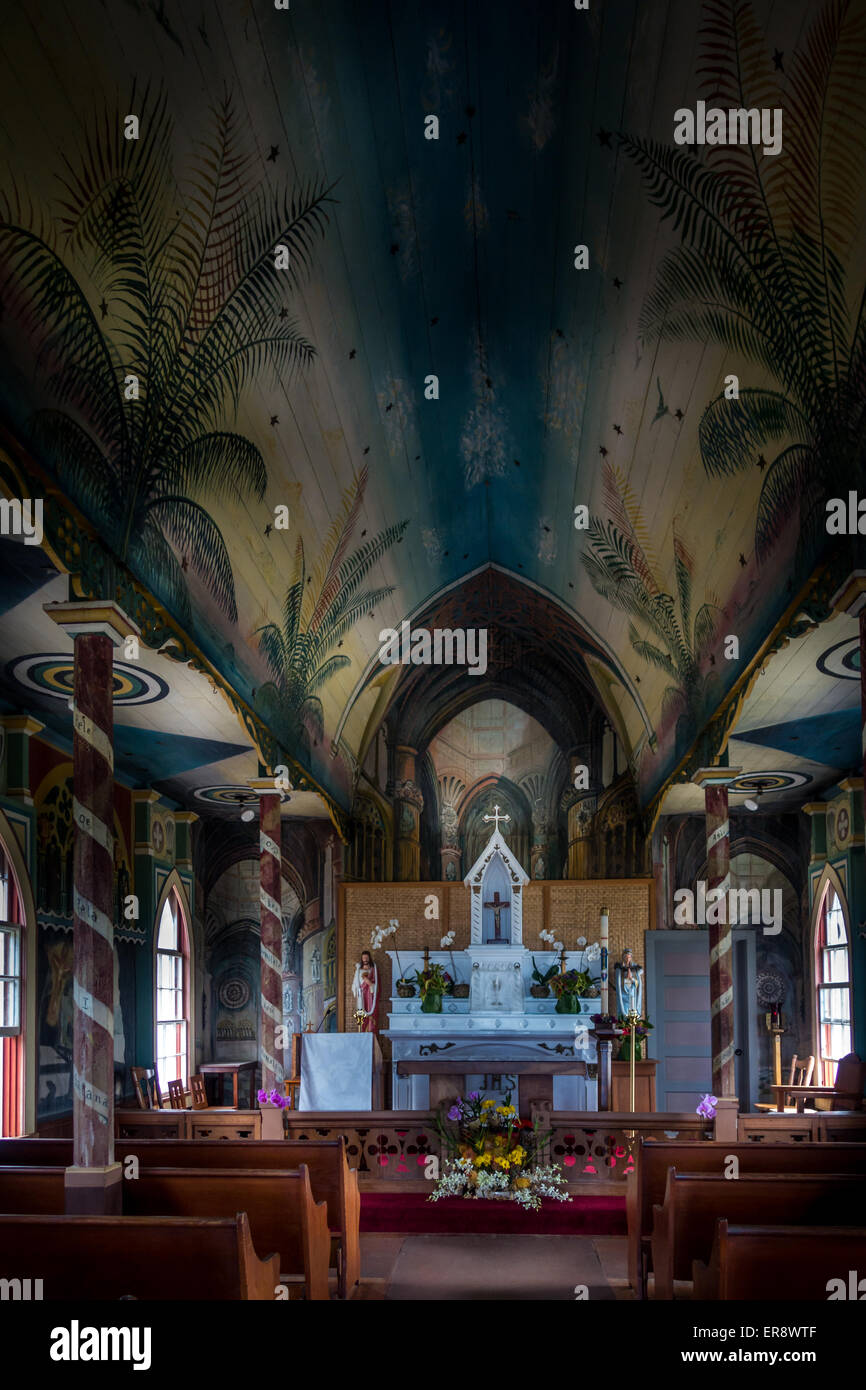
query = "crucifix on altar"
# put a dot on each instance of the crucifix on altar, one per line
(498, 908)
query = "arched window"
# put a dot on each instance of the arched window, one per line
(833, 985)
(11, 1003)
(172, 994)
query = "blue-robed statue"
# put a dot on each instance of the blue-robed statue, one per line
(629, 985)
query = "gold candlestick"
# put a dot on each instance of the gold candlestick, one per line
(360, 1018)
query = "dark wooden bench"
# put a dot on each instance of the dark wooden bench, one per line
(109, 1257)
(331, 1179)
(280, 1206)
(684, 1226)
(32, 1191)
(645, 1186)
(767, 1263)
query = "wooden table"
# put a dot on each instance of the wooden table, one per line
(851, 1100)
(232, 1069)
(448, 1079)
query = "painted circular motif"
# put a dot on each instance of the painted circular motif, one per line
(843, 825)
(234, 993)
(770, 988)
(841, 660)
(768, 782)
(232, 798)
(54, 675)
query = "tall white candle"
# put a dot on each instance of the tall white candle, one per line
(604, 985)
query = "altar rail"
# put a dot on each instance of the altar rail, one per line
(390, 1147)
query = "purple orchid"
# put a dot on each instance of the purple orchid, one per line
(454, 1112)
(707, 1107)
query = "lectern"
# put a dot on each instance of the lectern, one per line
(341, 1071)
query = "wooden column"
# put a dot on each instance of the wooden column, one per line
(93, 1183)
(715, 782)
(408, 805)
(270, 893)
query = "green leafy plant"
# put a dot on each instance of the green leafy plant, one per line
(545, 977)
(571, 982)
(434, 980)
(768, 264)
(318, 611)
(151, 304)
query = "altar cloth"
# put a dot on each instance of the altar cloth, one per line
(340, 1071)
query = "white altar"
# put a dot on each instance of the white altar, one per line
(501, 1022)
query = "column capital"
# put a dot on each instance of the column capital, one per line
(850, 598)
(264, 786)
(21, 724)
(82, 617)
(185, 817)
(715, 776)
(815, 808)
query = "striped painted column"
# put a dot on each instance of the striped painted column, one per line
(721, 940)
(96, 627)
(272, 937)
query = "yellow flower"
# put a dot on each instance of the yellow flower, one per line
(481, 1160)
(486, 1104)
(521, 1182)
(503, 1163)
(517, 1155)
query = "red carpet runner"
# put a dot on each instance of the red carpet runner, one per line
(411, 1213)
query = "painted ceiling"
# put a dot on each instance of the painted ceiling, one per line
(286, 478)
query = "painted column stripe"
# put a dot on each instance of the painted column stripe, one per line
(720, 833)
(268, 845)
(93, 827)
(721, 948)
(271, 960)
(94, 736)
(271, 1012)
(94, 1008)
(88, 1095)
(270, 903)
(93, 917)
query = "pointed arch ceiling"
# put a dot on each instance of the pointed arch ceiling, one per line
(411, 259)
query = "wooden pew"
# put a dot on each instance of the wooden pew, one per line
(331, 1179)
(109, 1257)
(768, 1263)
(32, 1191)
(280, 1207)
(645, 1186)
(685, 1224)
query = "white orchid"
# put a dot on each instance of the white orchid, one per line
(581, 941)
(593, 952)
(558, 946)
(547, 936)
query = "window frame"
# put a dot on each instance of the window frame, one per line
(822, 950)
(173, 904)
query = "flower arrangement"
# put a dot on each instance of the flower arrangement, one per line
(642, 1030)
(707, 1107)
(433, 980)
(492, 1152)
(274, 1098)
(571, 982)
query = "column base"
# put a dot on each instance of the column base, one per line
(727, 1111)
(94, 1191)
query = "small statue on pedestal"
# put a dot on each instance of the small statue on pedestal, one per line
(629, 985)
(365, 991)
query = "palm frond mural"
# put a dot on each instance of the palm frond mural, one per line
(768, 264)
(670, 637)
(320, 608)
(152, 303)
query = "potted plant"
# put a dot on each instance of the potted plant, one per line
(432, 983)
(405, 989)
(272, 1105)
(568, 988)
(541, 988)
(642, 1028)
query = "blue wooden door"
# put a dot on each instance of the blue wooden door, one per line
(678, 1004)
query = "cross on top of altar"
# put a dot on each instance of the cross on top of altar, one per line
(496, 882)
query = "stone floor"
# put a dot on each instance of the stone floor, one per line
(492, 1267)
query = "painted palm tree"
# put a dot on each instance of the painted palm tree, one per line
(768, 263)
(318, 612)
(161, 304)
(619, 567)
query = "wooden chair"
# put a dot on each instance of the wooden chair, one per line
(292, 1083)
(199, 1092)
(177, 1095)
(147, 1090)
(846, 1093)
(799, 1075)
